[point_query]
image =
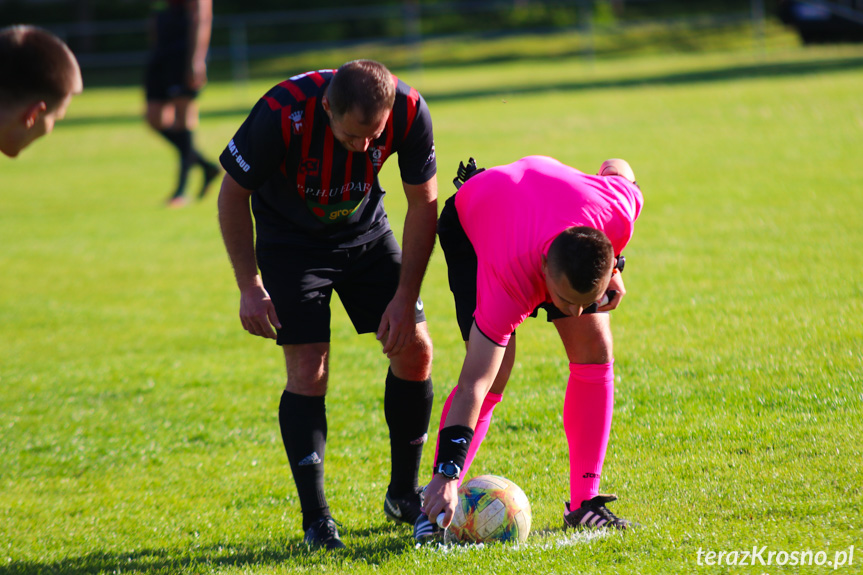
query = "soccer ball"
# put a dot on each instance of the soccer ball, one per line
(491, 508)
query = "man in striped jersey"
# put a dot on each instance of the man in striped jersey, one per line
(534, 234)
(308, 158)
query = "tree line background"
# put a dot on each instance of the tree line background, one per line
(111, 37)
(438, 16)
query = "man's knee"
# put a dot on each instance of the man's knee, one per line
(587, 339)
(413, 363)
(308, 368)
(159, 116)
(598, 351)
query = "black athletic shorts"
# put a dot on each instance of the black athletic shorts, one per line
(461, 266)
(165, 78)
(301, 281)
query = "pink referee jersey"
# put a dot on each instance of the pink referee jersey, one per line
(512, 213)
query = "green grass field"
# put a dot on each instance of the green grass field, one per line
(138, 422)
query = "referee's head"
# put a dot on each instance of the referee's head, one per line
(578, 267)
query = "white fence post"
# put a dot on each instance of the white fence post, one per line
(413, 32)
(758, 25)
(239, 52)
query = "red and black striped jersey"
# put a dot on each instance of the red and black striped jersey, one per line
(308, 188)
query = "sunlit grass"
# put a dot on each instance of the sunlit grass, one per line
(138, 422)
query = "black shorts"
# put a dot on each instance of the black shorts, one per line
(301, 281)
(165, 78)
(461, 266)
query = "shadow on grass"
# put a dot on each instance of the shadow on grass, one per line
(205, 559)
(731, 73)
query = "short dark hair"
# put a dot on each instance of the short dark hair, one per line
(583, 255)
(364, 86)
(36, 65)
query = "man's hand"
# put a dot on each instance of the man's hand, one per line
(257, 312)
(398, 325)
(440, 495)
(464, 173)
(616, 284)
(196, 75)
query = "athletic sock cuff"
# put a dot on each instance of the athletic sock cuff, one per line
(300, 402)
(492, 398)
(598, 373)
(393, 379)
(453, 444)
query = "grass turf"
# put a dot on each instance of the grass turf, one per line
(138, 426)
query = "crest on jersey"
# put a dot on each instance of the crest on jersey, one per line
(377, 156)
(297, 122)
(310, 167)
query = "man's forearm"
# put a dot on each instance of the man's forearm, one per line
(417, 244)
(419, 235)
(201, 24)
(235, 221)
(481, 364)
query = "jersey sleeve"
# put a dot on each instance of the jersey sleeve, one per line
(498, 311)
(417, 161)
(258, 148)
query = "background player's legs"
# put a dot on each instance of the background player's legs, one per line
(303, 422)
(176, 120)
(589, 399)
(494, 396)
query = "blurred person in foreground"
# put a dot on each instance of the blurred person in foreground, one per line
(308, 158)
(176, 73)
(534, 234)
(38, 77)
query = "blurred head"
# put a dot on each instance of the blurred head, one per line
(578, 268)
(359, 101)
(617, 167)
(38, 77)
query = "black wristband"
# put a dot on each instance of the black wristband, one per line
(453, 443)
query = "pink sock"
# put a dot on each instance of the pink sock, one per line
(485, 413)
(587, 409)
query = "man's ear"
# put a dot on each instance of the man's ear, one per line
(32, 113)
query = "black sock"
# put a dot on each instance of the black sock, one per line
(407, 408)
(303, 421)
(182, 140)
(211, 171)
